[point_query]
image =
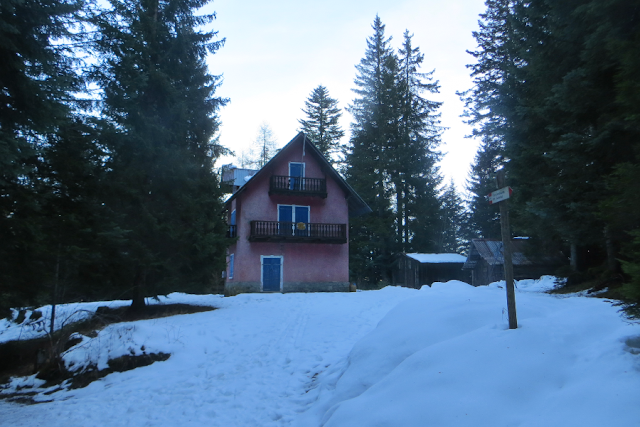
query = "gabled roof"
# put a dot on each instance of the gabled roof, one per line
(438, 258)
(491, 250)
(356, 205)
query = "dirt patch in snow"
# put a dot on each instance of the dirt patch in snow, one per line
(41, 355)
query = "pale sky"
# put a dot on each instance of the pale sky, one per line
(277, 52)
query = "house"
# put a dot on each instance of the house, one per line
(236, 177)
(486, 261)
(414, 270)
(291, 224)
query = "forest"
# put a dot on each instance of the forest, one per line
(109, 134)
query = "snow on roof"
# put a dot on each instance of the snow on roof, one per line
(438, 258)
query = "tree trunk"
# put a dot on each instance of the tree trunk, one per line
(138, 303)
(400, 216)
(574, 256)
(54, 296)
(612, 262)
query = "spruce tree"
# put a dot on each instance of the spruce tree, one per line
(321, 125)
(483, 220)
(452, 218)
(414, 154)
(552, 85)
(372, 238)
(38, 78)
(159, 99)
(392, 155)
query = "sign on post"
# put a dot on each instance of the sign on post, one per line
(499, 195)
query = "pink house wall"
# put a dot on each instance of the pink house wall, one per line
(302, 262)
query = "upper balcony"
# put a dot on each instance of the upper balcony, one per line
(298, 186)
(232, 231)
(279, 231)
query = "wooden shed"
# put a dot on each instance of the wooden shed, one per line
(486, 261)
(414, 270)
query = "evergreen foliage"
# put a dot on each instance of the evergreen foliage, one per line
(391, 157)
(553, 95)
(159, 100)
(36, 102)
(452, 219)
(321, 124)
(483, 220)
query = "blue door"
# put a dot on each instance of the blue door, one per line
(271, 269)
(296, 172)
(302, 221)
(285, 214)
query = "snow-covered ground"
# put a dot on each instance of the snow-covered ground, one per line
(441, 356)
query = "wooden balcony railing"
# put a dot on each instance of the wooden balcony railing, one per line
(298, 186)
(232, 231)
(297, 232)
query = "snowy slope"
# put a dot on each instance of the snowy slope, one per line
(441, 356)
(446, 358)
(249, 363)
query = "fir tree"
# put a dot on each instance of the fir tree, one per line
(372, 238)
(38, 79)
(452, 217)
(392, 155)
(160, 100)
(483, 220)
(552, 80)
(321, 124)
(414, 154)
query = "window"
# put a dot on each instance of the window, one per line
(293, 213)
(233, 230)
(296, 173)
(297, 216)
(231, 257)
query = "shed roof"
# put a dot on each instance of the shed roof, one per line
(438, 258)
(491, 250)
(356, 205)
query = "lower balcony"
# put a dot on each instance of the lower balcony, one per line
(279, 231)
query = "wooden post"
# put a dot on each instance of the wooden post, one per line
(508, 262)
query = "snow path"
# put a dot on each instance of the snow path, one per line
(252, 362)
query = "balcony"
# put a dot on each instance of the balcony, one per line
(299, 186)
(232, 231)
(278, 231)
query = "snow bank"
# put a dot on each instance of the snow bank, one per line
(69, 313)
(446, 358)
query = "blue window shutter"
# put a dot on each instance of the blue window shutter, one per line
(231, 257)
(285, 213)
(302, 214)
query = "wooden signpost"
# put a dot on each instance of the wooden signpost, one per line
(501, 196)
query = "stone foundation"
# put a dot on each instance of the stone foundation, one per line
(235, 288)
(315, 287)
